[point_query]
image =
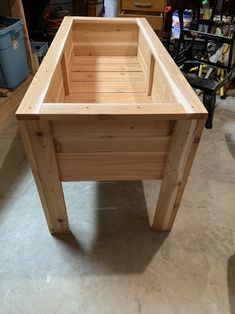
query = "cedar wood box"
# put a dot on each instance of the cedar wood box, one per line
(108, 103)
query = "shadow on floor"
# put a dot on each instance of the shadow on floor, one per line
(12, 170)
(230, 141)
(231, 283)
(123, 241)
(112, 236)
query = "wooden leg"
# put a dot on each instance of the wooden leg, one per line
(209, 101)
(185, 140)
(41, 154)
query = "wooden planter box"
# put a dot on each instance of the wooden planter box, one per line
(108, 103)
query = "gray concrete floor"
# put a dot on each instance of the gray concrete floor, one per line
(112, 262)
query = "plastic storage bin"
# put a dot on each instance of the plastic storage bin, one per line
(40, 49)
(13, 60)
(187, 19)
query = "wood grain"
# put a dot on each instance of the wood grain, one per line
(184, 143)
(41, 154)
(110, 166)
(108, 87)
(106, 76)
(113, 126)
(75, 143)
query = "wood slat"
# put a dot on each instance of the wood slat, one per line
(68, 50)
(107, 98)
(107, 87)
(105, 59)
(55, 86)
(150, 74)
(65, 73)
(113, 126)
(143, 63)
(160, 87)
(72, 111)
(110, 166)
(61, 93)
(74, 143)
(144, 48)
(106, 67)
(88, 32)
(107, 21)
(117, 39)
(106, 77)
(106, 49)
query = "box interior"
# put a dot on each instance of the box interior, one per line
(107, 63)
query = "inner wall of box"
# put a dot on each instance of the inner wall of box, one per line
(108, 63)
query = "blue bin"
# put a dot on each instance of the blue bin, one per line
(13, 61)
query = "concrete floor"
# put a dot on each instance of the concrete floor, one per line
(112, 262)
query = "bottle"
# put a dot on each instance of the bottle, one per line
(206, 9)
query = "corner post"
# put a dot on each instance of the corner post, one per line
(41, 154)
(185, 139)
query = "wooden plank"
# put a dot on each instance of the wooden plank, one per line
(150, 75)
(110, 166)
(107, 87)
(160, 87)
(106, 67)
(99, 39)
(105, 59)
(113, 126)
(106, 49)
(107, 21)
(56, 85)
(72, 111)
(139, 98)
(144, 47)
(41, 154)
(114, 32)
(61, 93)
(65, 73)
(106, 77)
(184, 143)
(68, 48)
(143, 63)
(74, 143)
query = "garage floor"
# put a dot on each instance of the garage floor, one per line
(112, 262)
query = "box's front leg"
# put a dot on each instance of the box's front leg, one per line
(184, 143)
(40, 150)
